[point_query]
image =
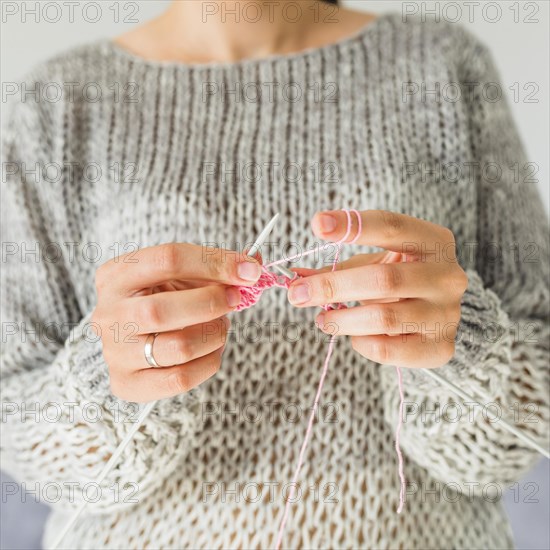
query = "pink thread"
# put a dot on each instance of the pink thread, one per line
(326, 246)
(251, 295)
(319, 388)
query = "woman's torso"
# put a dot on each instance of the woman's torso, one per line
(207, 155)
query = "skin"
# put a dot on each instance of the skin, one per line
(409, 303)
(187, 33)
(180, 291)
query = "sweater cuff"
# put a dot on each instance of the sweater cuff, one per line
(85, 376)
(481, 363)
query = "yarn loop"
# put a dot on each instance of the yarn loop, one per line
(250, 295)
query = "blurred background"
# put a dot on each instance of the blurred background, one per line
(517, 32)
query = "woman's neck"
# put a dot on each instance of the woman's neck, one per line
(201, 31)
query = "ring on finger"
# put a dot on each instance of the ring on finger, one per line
(148, 351)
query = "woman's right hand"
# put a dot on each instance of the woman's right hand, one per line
(180, 291)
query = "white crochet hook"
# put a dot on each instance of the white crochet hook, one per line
(285, 271)
(256, 247)
(466, 398)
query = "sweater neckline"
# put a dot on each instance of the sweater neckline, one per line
(361, 34)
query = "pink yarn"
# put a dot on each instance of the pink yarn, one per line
(251, 295)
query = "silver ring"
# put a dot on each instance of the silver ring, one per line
(149, 351)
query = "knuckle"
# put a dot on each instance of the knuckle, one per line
(463, 280)
(178, 382)
(388, 278)
(447, 352)
(328, 289)
(393, 223)
(374, 349)
(214, 330)
(458, 281)
(99, 322)
(454, 313)
(450, 333)
(168, 258)
(148, 315)
(95, 317)
(118, 389)
(213, 305)
(215, 365)
(181, 350)
(101, 277)
(108, 356)
(389, 319)
(447, 235)
(379, 350)
(220, 335)
(357, 344)
(216, 266)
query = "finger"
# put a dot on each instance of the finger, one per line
(362, 259)
(305, 271)
(156, 265)
(404, 317)
(179, 347)
(373, 282)
(406, 350)
(389, 230)
(151, 384)
(355, 261)
(176, 347)
(175, 310)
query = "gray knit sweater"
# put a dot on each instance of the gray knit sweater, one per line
(140, 153)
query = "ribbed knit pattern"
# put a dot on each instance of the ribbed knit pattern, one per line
(192, 184)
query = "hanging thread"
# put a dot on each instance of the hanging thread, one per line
(320, 389)
(251, 295)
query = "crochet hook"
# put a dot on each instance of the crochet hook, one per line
(256, 247)
(285, 271)
(527, 439)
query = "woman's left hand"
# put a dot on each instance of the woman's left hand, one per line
(410, 294)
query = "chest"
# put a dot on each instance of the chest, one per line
(209, 156)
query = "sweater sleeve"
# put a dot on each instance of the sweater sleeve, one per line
(502, 347)
(60, 421)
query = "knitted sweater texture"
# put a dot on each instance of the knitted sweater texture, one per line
(138, 153)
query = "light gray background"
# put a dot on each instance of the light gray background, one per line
(519, 39)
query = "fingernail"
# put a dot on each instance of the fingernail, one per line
(233, 295)
(298, 294)
(327, 223)
(320, 321)
(249, 271)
